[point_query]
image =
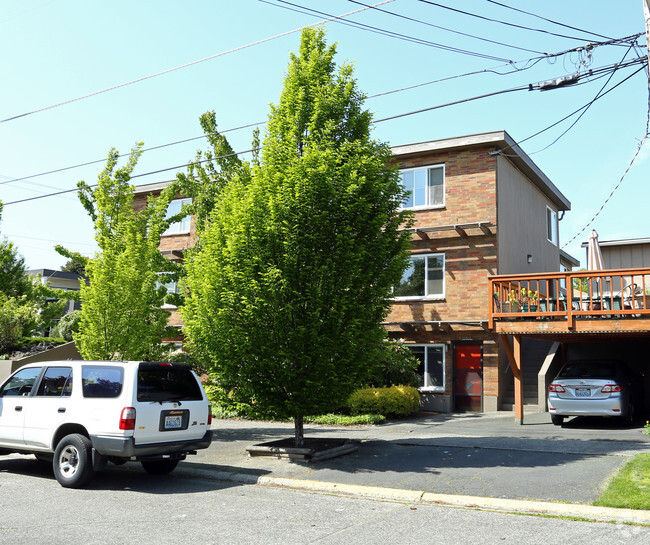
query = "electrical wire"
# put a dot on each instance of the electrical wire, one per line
(549, 20)
(397, 116)
(584, 107)
(126, 154)
(376, 30)
(221, 54)
(447, 29)
(638, 151)
(499, 21)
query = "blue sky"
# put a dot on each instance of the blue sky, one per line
(58, 50)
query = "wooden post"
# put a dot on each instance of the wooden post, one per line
(519, 381)
(514, 358)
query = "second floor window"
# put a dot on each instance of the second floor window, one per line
(180, 227)
(426, 186)
(424, 277)
(551, 225)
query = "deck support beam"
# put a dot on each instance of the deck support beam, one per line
(514, 358)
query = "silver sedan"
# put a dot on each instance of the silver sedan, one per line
(592, 388)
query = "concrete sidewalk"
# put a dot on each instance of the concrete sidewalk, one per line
(486, 461)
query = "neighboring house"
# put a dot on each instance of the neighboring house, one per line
(60, 280)
(629, 253)
(482, 207)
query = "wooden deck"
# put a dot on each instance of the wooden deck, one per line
(608, 302)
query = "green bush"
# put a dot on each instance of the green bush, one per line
(397, 366)
(391, 401)
(345, 420)
(67, 325)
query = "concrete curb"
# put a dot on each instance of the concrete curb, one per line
(528, 507)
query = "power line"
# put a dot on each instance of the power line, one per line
(221, 54)
(405, 114)
(447, 29)
(390, 33)
(549, 20)
(584, 107)
(126, 154)
(499, 21)
(638, 151)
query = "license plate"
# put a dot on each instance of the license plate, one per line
(583, 392)
(173, 422)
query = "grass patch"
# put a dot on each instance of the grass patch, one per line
(630, 488)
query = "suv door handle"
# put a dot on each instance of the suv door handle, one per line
(19, 408)
(61, 410)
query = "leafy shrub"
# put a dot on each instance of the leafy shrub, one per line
(345, 420)
(67, 325)
(17, 319)
(397, 366)
(391, 401)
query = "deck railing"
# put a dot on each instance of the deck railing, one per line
(612, 293)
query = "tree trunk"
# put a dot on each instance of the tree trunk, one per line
(299, 431)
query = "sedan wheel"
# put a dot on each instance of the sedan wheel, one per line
(557, 419)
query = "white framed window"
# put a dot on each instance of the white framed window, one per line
(179, 227)
(424, 277)
(425, 186)
(551, 225)
(432, 366)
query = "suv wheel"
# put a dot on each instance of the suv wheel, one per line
(72, 463)
(159, 467)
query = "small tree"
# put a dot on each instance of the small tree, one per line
(296, 262)
(121, 315)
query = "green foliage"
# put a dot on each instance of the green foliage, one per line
(397, 366)
(14, 281)
(121, 315)
(293, 273)
(630, 488)
(73, 266)
(67, 325)
(391, 401)
(345, 420)
(18, 318)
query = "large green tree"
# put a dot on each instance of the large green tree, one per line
(121, 316)
(294, 270)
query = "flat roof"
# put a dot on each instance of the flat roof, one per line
(622, 242)
(502, 142)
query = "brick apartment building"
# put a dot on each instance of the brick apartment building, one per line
(482, 207)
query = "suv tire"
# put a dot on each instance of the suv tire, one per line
(159, 467)
(73, 466)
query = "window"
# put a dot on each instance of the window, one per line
(163, 382)
(180, 227)
(426, 187)
(56, 381)
(101, 381)
(432, 366)
(551, 225)
(424, 277)
(21, 383)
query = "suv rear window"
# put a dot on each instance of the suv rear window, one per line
(167, 382)
(102, 381)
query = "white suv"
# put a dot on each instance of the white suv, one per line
(82, 414)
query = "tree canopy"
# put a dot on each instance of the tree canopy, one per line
(121, 314)
(297, 259)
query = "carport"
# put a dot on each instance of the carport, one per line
(573, 308)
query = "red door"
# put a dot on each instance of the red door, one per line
(468, 377)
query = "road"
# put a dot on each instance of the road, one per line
(124, 506)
